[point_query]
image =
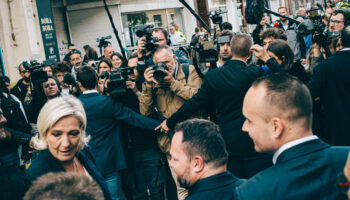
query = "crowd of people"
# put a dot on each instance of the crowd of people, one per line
(268, 120)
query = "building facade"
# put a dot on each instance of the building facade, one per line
(28, 28)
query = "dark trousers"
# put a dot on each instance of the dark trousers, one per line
(246, 167)
(148, 172)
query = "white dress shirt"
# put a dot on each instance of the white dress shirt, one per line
(90, 91)
(290, 145)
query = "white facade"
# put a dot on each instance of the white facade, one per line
(20, 36)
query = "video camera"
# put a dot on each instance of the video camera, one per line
(146, 30)
(216, 16)
(37, 74)
(102, 42)
(117, 80)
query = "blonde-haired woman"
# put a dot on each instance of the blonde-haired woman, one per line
(61, 124)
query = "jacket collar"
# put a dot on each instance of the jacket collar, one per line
(301, 150)
(93, 94)
(235, 62)
(213, 182)
(345, 52)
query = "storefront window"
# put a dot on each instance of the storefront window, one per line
(158, 18)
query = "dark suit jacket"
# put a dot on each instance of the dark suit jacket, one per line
(219, 186)
(104, 121)
(306, 171)
(331, 82)
(224, 88)
(45, 163)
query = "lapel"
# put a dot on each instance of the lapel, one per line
(302, 150)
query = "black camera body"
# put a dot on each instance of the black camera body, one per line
(159, 72)
(216, 16)
(146, 30)
(37, 74)
(117, 80)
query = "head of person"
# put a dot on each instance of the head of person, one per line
(133, 63)
(89, 51)
(104, 65)
(117, 60)
(48, 69)
(161, 34)
(60, 69)
(225, 48)
(278, 109)
(345, 37)
(23, 69)
(51, 88)
(271, 34)
(197, 149)
(196, 30)
(176, 26)
(281, 51)
(71, 47)
(87, 78)
(64, 186)
(283, 11)
(226, 26)
(302, 13)
(108, 51)
(263, 21)
(240, 46)
(339, 19)
(164, 54)
(75, 59)
(61, 124)
(328, 12)
(172, 29)
(7, 82)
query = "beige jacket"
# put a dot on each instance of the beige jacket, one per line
(169, 99)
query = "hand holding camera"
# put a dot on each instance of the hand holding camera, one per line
(141, 46)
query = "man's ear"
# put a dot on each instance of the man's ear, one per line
(277, 127)
(197, 163)
(80, 85)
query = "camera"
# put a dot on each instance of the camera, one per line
(159, 71)
(102, 42)
(37, 74)
(216, 16)
(146, 30)
(117, 80)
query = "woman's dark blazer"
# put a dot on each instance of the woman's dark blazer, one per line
(45, 163)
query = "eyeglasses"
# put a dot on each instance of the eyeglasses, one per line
(336, 21)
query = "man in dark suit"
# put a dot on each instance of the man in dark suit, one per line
(331, 83)
(224, 88)
(278, 111)
(104, 121)
(198, 158)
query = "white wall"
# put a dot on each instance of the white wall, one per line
(26, 32)
(89, 21)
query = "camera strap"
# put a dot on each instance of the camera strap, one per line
(186, 69)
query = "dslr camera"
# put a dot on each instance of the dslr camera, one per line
(146, 30)
(159, 72)
(117, 80)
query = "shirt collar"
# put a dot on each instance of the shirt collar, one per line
(90, 91)
(290, 145)
(345, 49)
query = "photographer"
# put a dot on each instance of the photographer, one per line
(146, 164)
(330, 82)
(295, 40)
(145, 55)
(21, 88)
(338, 20)
(168, 92)
(225, 53)
(46, 91)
